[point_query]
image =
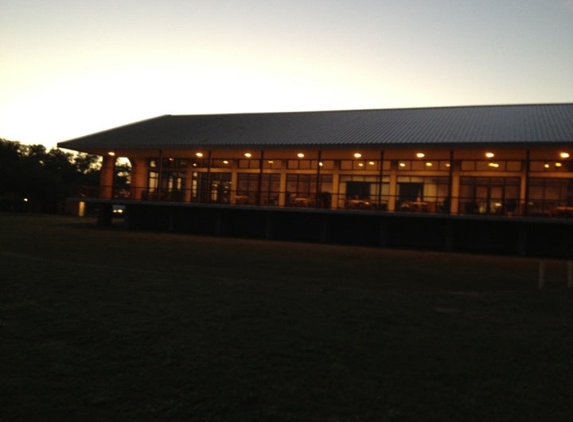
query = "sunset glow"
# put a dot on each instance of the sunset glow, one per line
(71, 68)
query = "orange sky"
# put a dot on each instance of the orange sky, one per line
(73, 67)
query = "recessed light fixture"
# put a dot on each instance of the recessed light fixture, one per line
(402, 164)
(111, 154)
(371, 163)
(300, 155)
(420, 155)
(199, 154)
(546, 165)
(558, 164)
(225, 162)
(494, 165)
(357, 155)
(489, 154)
(360, 164)
(248, 154)
(564, 155)
(320, 163)
(428, 164)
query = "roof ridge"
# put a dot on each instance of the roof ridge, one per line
(468, 106)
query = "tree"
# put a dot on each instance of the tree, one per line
(34, 179)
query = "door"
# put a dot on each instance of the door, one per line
(489, 199)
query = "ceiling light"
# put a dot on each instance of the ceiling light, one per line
(546, 166)
(225, 162)
(300, 155)
(428, 164)
(494, 165)
(564, 155)
(357, 155)
(558, 164)
(420, 155)
(402, 164)
(111, 154)
(248, 154)
(371, 163)
(199, 154)
(489, 154)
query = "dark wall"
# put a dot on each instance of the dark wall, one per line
(507, 236)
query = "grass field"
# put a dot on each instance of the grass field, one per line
(107, 324)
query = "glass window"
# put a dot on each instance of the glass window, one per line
(153, 181)
(489, 195)
(549, 196)
(248, 191)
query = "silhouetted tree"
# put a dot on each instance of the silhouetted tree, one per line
(34, 179)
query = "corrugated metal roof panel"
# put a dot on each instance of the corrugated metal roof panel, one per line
(509, 124)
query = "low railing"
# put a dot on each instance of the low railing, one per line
(326, 200)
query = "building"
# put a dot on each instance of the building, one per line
(496, 166)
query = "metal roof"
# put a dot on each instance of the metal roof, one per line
(535, 124)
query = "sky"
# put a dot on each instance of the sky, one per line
(69, 68)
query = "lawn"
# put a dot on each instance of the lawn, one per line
(108, 324)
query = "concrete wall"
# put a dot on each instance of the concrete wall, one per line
(473, 234)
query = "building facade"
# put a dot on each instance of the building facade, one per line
(488, 179)
(489, 160)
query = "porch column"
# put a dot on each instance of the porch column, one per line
(455, 167)
(380, 178)
(336, 185)
(283, 184)
(524, 187)
(209, 187)
(234, 180)
(138, 177)
(188, 184)
(318, 187)
(393, 185)
(260, 184)
(106, 176)
(158, 194)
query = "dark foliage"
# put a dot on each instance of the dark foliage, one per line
(33, 179)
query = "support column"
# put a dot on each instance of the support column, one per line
(138, 177)
(188, 184)
(283, 185)
(455, 166)
(209, 182)
(260, 184)
(393, 185)
(336, 185)
(234, 180)
(106, 176)
(318, 186)
(380, 178)
(524, 187)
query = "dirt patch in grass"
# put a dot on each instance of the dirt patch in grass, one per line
(116, 325)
